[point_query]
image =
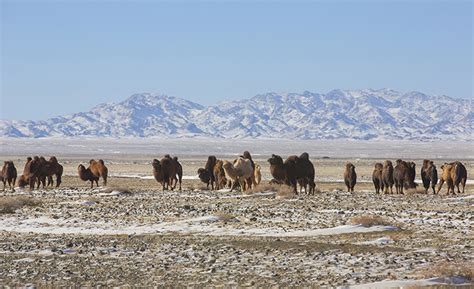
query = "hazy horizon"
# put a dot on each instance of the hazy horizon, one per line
(59, 58)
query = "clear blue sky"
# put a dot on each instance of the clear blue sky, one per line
(67, 56)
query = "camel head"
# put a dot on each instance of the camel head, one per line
(275, 160)
(156, 164)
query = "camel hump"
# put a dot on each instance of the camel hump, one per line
(175, 159)
(102, 162)
(304, 156)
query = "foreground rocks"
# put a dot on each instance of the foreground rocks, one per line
(148, 237)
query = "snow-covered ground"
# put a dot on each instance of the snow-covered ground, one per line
(204, 238)
(260, 148)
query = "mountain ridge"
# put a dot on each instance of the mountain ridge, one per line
(339, 114)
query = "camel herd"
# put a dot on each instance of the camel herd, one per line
(245, 174)
(403, 176)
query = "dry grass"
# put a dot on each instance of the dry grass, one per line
(122, 190)
(264, 188)
(285, 192)
(282, 191)
(450, 269)
(225, 217)
(370, 220)
(8, 205)
(199, 186)
(417, 190)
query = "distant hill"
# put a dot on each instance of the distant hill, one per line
(338, 114)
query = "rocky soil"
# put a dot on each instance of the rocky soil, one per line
(117, 237)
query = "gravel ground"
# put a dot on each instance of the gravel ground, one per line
(145, 237)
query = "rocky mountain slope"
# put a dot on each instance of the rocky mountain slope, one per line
(354, 114)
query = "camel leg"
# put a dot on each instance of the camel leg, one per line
(463, 182)
(312, 187)
(241, 184)
(441, 182)
(31, 182)
(450, 187)
(175, 179)
(254, 182)
(58, 180)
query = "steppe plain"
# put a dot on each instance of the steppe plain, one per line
(130, 233)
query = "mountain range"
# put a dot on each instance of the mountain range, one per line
(339, 114)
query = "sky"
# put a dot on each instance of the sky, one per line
(61, 57)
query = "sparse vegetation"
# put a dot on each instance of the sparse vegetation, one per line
(413, 191)
(8, 205)
(450, 269)
(264, 187)
(282, 191)
(370, 220)
(121, 190)
(225, 217)
(285, 192)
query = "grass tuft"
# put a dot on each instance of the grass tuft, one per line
(8, 205)
(369, 221)
(450, 269)
(122, 190)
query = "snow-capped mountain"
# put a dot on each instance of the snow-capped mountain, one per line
(352, 114)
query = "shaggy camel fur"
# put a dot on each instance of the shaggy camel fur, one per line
(387, 176)
(404, 176)
(219, 175)
(429, 175)
(240, 172)
(8, 174)
(257, 174)
(377, 178)
(22, 180)
(94, 172)
(178, 169)
(209, 167)
(453, 174)
(164, 172)
(53, 168)
(204, 176)
(350, 177)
